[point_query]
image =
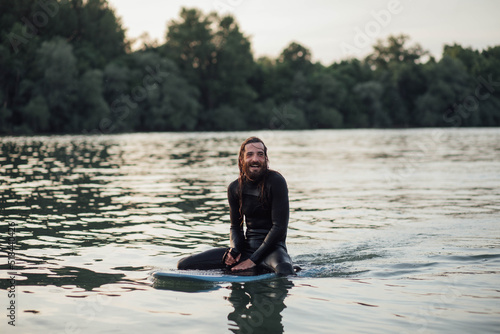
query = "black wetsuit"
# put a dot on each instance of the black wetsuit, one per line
(267, 223)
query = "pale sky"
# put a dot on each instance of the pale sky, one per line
(332, 30)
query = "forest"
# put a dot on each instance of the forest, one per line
(66, 66)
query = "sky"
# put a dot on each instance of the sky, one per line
(332, 30)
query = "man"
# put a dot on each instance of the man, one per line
(259, 197)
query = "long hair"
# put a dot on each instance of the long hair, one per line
(244, 178)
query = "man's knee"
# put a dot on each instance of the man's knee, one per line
(183, 263)
(285, 269)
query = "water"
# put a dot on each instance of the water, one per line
(396, 231)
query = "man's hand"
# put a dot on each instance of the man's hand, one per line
(230, 260)
(247, 264)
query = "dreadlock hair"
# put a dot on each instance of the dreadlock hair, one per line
(244, 178)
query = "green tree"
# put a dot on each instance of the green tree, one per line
(402, 86)
(91, 107)
(481, 106)
(160, 99)
(349, 73)
(449, 83)
(93, 29)
(216, 58)
(5, 118)
(472, 59)
(50, 50)
(328, 96)
(116, 79)
(73, 71)
(58, 83)
(293, 66)
(36, 115)
(370, 94)
(178, 108)
(394, 51)
(285, 87)
(296, 57)
(488, 77)
(399, 69)
(491, 65)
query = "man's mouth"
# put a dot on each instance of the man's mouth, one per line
(254, 167)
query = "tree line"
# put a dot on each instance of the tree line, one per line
(67, 67)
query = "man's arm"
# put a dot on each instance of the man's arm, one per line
(237, 238)
(280, 211)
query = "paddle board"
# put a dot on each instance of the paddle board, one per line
(210, 277)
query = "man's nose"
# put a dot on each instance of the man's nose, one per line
(254, 158)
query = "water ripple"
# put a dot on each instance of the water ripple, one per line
(408, 213)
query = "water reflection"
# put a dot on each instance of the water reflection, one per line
(258, 306)
(72, 196)
(79, 277)
(93, 212)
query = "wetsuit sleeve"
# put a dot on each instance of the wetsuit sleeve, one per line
(279, 215)
(237, 238)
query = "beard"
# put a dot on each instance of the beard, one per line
(255, 174)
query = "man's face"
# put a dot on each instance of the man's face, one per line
(255, 163)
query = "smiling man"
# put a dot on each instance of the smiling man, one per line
(258, 198)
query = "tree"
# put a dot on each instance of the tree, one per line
(491, 65)
(449, 84)
(116, 78)
(293, 65)
(178, 108)
(58, 83)
(91, 107)
(49, 54)
(94, 31)
(400, 71)
(328, 97)
(296, 57)
(160, 99)
(471, 59)
(349, 74)
(36, 115)
(234, 65)
(488, 76)
(370, 94)
(65, 66)
(216, 58)
(394, 52)
(190, 45)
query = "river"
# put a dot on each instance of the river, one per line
(396, 231)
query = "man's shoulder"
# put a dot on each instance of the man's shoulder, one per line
(234, 185)
(275, 177)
